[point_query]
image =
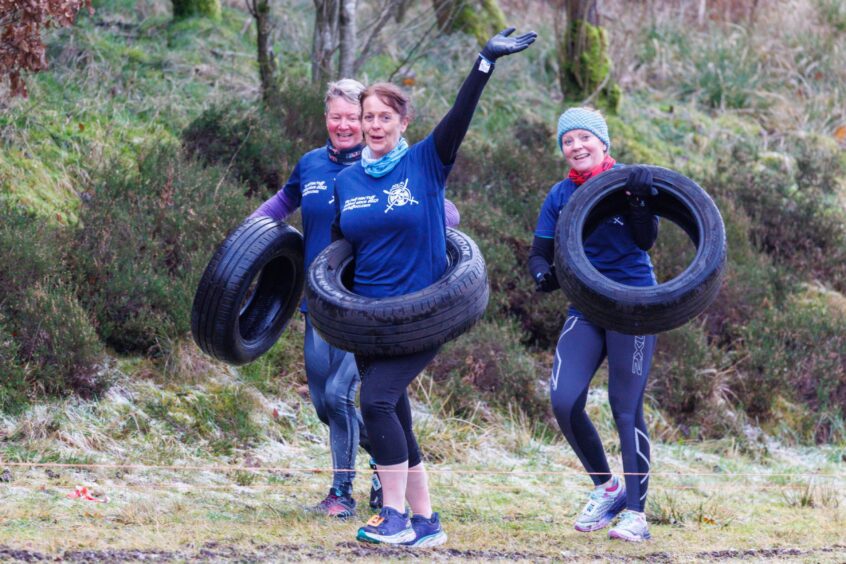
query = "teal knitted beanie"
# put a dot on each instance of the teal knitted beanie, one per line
(582, 118)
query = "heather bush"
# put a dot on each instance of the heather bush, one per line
(47, 343)
(149, 229)
(488, 365)
(790, 199)
(797, 352)
(260, 145)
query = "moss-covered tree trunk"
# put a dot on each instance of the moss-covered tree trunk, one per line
(479, 18)
(260, 10)
(188, 8)
(583, 61)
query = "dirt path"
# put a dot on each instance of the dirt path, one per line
(346, 551)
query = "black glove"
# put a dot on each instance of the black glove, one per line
(639, 186)
(500, 44)
(546, 281)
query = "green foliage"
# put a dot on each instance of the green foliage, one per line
(584, 66)
(489, 364)
(725, 73)
(222, 417)
(13, 386)
(480, 18)
(261, 146)
(789, 200)
(46, 339)
(798, 351)
(149, 229)
(687, 382)
(189, 8)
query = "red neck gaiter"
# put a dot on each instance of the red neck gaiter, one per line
(580, 178)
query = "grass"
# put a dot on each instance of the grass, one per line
(505, 489)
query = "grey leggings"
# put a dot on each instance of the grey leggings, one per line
(581, 348)
(332, 384)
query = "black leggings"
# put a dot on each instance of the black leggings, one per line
(581, 349)
(385, 407)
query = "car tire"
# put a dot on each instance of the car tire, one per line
(641, 310)
(397, 325)
(249, 291)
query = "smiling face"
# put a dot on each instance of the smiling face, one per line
(382, 125)
(583, 150)
(343, 123)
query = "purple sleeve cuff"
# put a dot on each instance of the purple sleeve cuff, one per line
(278, 207)
(451, 215)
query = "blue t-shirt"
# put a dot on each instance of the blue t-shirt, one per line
(396, 223)
(310, 186)
(610, 248)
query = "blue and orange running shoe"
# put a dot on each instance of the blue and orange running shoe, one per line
(389, 527)
(632, 527)
(604, 504)
(427, 532)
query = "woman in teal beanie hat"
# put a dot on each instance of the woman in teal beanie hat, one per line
(617, 249)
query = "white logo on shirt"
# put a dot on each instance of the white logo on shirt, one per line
(360, 202)
(617, 220)
(399, 195)
(314, 187)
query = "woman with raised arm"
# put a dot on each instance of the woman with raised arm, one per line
(331, 373)
(391, 210)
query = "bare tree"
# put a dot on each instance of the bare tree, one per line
(326, 14)
(260, 10)
(347, 42)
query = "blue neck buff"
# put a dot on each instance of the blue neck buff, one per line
(386, 163)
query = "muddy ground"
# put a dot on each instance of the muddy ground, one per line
(347, 551)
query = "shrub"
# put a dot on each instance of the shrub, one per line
(797, 351)
(488, 364)
(261, 146)
(47, 343)
(791, 207)
(688, 381)
(13, 385)
(149, 230)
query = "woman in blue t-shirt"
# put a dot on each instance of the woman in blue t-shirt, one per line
(617, 249)
(390, 208)
(332, 374)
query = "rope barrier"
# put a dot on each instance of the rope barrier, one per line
(429, 470)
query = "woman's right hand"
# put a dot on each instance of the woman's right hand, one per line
(501, 45)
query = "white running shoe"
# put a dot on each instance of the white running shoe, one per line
(632, 527)
(604, 504)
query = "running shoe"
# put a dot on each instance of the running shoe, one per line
(375, 488)
(336, 504)
(604, 504)
(427, 532)
(389, 527)
(631, 527)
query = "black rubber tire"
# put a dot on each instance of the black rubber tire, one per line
(249, 291)
(397, 325)
(628, 309)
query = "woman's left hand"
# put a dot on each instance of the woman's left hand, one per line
(501, 45)
(639, 186)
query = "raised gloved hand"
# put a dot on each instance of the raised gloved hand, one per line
(639, 186)
(500, 44)
(546, 281)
